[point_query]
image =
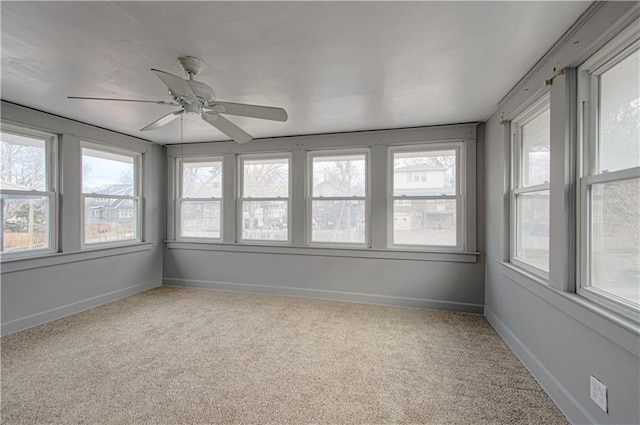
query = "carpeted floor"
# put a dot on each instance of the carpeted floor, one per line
(189, 356)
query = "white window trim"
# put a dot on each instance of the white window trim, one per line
(460, 197)
(241, 199)
(367, 198)
(531, 112)
(51, 161)
(137, 198)
(627, 41)
(179, 199)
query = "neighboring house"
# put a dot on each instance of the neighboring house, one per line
(423, 180)
(110, 209)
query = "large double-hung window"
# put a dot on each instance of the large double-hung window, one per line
(27, 191)
(530, 176)
(200, 200)
(426, 200)
(337, 204)
(610, 176)
(111, 199)
(263, 205)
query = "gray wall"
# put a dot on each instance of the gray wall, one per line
(38, 290)
(426, 284)
(452, 281)
(560, 337)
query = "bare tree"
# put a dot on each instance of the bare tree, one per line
(200, 181)
(126, 177)
(22, 167)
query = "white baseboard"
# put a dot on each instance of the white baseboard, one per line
(36, 319)
(575, 413)
(330, 295)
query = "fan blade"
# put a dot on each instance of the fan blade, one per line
(178, 86)
(163, 121)
(227, 127)
(246, 110)
(157, 102)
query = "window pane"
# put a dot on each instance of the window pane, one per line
(109, 219)
(339, 175)
(107, 173)
(427, 173)
(202, 179)
(424, 222)
(22, 163)
(338, 221)
(619, 115)
(615, 240)
(265, 220)
(535, 161)
(266, 178)
(532, 229)
(25, 223)
(200, 219)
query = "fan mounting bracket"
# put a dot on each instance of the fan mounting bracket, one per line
(191, 65)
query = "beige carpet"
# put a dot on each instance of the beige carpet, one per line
(189, 356)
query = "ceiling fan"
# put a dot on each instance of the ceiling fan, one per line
(194, 97)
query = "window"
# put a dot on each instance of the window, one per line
(338, 197)
(200, 199)
(27, 192)
(110, 195)
(610, 177)
(264, 198)
(426, 211)
(530, 175)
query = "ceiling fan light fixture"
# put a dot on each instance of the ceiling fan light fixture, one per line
(192, 108)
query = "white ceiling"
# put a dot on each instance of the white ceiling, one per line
(334, 66)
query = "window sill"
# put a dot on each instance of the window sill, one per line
(457, 257)
(613, 326)
(10, 265)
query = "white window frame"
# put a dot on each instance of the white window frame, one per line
(241, 199)
(180, 198)
(604, 59)
(367, 198)
(136, 198)
(51, 177)
(530, 113)
(459, 197)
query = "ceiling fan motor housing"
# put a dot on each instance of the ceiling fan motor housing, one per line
(191, 65)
